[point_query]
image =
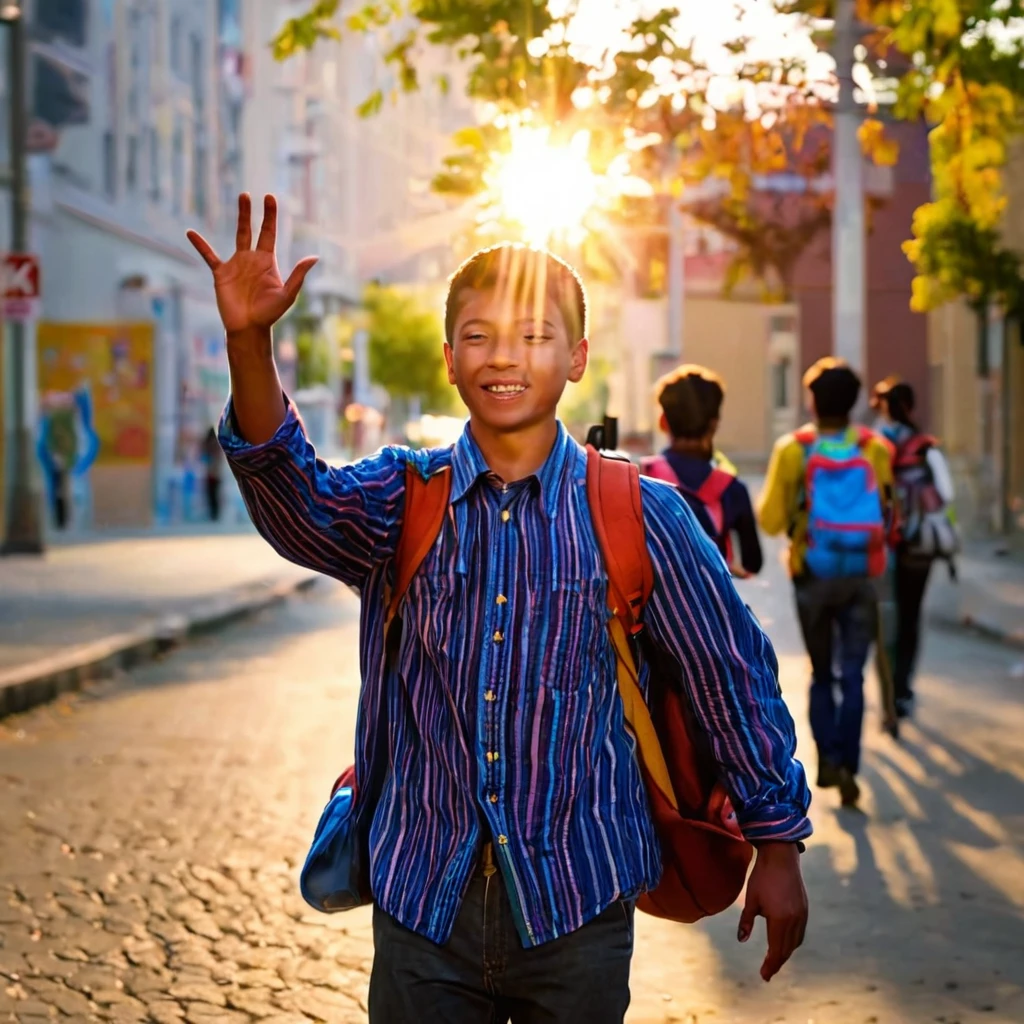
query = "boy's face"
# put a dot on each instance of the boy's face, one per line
(511, 359)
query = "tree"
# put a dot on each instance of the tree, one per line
(962, 69)
(405, 349)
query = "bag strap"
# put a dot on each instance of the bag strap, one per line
(657, 467)
(426, 502)
(613, 492)
(714, 487)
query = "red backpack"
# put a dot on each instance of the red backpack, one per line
(704, 855)
(709, 496)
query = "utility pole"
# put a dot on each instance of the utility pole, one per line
(848, 229)
(676, 277)
(24, 533)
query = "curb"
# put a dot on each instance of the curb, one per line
(39, 682)
(979, 626)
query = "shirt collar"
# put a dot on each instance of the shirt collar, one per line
(468, 467)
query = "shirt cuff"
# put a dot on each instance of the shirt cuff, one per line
(776, 824)
(288, 440)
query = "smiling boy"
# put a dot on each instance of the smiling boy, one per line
(513, 833)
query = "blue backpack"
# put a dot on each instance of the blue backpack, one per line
(846, 531)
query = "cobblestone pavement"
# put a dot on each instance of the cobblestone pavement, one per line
(152, 832)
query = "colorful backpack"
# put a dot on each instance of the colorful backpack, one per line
(704, 855)
(846, 529)
(927, 528)
(706, 500)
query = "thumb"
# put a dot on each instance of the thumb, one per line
(297, 276)
(748, 916)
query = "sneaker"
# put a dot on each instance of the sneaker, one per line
(849, 791)
(828, 775)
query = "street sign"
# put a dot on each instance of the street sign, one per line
(19, 285)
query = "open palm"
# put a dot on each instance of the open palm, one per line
(249, 289)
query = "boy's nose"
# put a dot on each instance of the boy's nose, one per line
(504, 351)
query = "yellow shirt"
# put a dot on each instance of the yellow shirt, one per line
(778, 507)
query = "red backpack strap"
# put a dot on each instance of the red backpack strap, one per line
(865, 435)
(426, 502)
(714, 487)
(657, 467)
(613, 492)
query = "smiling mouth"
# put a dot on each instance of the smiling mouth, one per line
(505, 391)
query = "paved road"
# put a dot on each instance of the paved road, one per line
(152, 832)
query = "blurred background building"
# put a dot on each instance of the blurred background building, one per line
(148, 117)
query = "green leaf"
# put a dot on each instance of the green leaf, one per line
(372, 104)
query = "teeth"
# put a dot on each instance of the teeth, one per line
(502, 389)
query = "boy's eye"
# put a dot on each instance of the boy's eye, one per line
(532, 336)
(475, 336)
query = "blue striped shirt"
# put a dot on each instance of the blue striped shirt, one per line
(503, 719)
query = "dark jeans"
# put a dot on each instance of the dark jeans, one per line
(910, 582)
(483, 975)
(838, 619)
(213, 497)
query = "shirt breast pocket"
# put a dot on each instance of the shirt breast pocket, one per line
(427, 619)
(568, 633)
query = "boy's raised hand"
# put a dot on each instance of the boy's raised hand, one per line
(250, 293)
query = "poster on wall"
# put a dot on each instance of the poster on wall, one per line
(112, 364)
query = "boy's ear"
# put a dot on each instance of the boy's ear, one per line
(663, 424)
(578, 360)
(448, 355)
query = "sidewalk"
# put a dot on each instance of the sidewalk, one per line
(91, 606)
(989, 596)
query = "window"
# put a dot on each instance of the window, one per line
(780, 382)
(177, 167)
(199, 177)
(110, 164)
(195, 42)
(177, 57)
(154, 164)
(131, 173)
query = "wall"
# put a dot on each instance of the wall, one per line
(897, 339)
(974, 442)
(740, 341)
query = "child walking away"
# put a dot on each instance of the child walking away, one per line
(500, 812)
(924, 493)
(691, 408)
(829, 487)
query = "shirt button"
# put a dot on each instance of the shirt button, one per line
(494, 798)
(501, 599)
(505, 515)
(498, 637)
(490, 695)
(492, 756)
(502, 840)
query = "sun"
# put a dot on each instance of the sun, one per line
(547, 190)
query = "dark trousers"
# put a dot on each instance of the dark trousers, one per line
(483, 975)
(910, 582)
(213, 497)
(838, 619)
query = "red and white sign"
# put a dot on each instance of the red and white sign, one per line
(19, 285)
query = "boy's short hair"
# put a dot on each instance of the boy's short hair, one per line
(835, 387)
(519, 268)
(691, 398)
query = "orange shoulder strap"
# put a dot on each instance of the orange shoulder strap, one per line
(426, 502)
(613, 492)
